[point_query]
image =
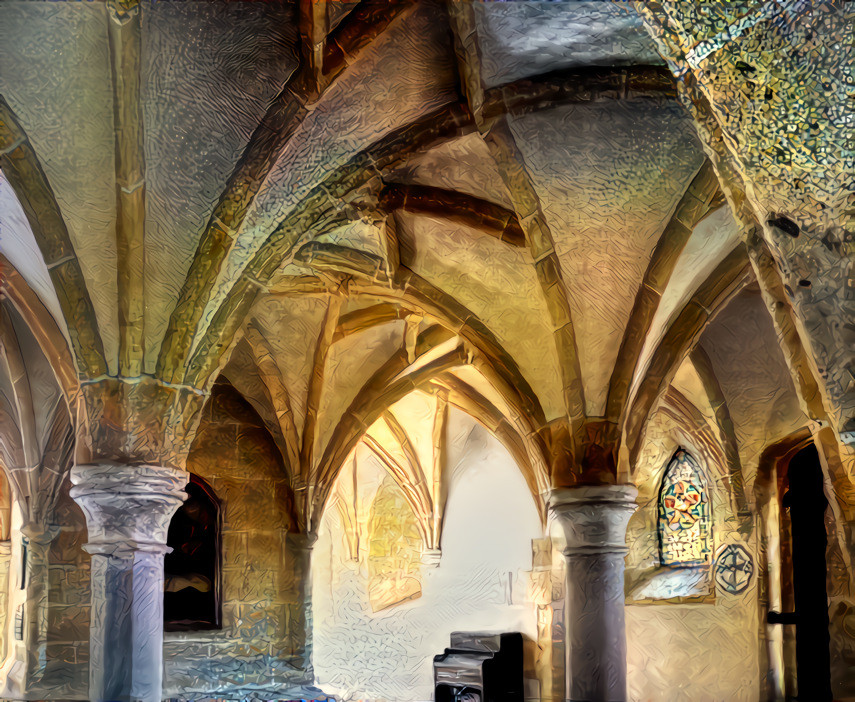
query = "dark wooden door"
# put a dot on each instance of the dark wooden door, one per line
(806, 503)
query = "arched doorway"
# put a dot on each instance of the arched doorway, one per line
(798, 603)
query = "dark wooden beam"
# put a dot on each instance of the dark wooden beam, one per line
(578, 85)
(455, 206)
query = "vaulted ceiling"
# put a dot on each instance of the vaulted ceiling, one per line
(344, 201)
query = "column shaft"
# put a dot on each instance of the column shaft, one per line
(594, 520)
(128, 510)
(36, 607)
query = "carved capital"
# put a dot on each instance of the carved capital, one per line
(593, 518)
(127, 508)
(139, 421)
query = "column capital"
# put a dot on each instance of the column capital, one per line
(431, 557)
(128, 507)
(593, 518)
(303, 540)
(36, 532)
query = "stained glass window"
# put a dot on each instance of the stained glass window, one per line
(684, 509)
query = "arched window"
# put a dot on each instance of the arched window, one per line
(191, 597)
(684, 514)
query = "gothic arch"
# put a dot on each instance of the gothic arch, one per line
(387, 387)
(44, 328)
(21, 165)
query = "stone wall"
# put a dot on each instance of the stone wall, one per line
(683, 628)
(67, 665)
(262, 645)
(5, 557)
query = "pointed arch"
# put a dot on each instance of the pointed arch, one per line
(417, 498)
(44, 328)
(413, 292)
(523, 443)
(21, 166)
(697, 202)
(287, 112)
(395, 379)
(681, 337)
(280, 398)
(322, 200)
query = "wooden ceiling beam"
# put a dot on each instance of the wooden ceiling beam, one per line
(456, 206)
(578, 86)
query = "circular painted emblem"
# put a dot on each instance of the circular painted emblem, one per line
(733, 568)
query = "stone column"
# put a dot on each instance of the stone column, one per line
(37, 539)
(298, 596)
(594, 520)
(5, 560)
(128, 510)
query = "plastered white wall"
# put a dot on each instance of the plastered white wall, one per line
(481, 583)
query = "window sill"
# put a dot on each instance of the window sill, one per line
(673, 584)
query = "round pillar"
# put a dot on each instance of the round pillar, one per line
(128, 510)
(593, 520)
(299, 548)
(37, 539)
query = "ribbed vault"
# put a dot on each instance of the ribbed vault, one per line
(356, 200)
